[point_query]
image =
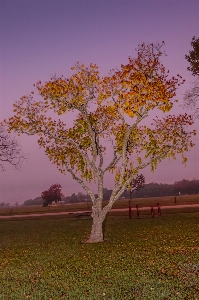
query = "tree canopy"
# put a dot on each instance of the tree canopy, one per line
(53, 194)
(104, 105)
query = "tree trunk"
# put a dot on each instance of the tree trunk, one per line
(96, 235)
(97, 231)
(99, 222)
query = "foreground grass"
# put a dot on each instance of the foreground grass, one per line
(140, 259)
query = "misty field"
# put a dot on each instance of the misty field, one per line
(122, 203)
(142, 258)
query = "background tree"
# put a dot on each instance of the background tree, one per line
(191, 98)
(137, 183)
(53, 194)
(10, 149)
(193, 57)
(129, 93)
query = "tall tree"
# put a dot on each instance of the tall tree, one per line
(191, 98)
(129, 93)
(10, 150)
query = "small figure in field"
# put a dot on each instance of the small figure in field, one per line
(130, 211)
(159, 210)
(152, 211)
(137, 212)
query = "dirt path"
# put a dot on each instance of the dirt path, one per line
(82, 211)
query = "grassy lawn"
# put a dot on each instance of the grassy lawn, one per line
(140, 259)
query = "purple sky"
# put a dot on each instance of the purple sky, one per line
(39, 38)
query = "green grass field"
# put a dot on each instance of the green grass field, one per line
(140, 259)
(169, 200)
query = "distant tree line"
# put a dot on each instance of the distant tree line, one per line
(183, 187)
(3, 204)
(189, 187)
(36, 201)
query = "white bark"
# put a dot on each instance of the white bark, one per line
(96, 235)
(98, 215)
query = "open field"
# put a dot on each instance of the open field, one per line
(143, 212)
(141, 202)
(140, 259)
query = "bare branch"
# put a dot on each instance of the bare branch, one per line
(82, 184)
(10, 150)
(191, 99)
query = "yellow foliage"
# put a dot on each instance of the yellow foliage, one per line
(137, 88)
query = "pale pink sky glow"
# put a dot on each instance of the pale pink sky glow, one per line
(39, 38)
